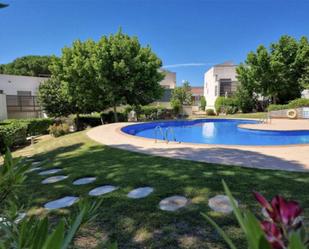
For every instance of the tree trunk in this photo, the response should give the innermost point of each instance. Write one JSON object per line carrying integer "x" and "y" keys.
{"x": 115, "y": 113}
{"x": 77, "y": 122}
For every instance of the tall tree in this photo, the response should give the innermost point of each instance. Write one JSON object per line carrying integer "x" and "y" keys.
{"x": 29, "y": 66}
{"x": 279, "y": 73}
{"x": 181, "y": 96}
{"x": 126, "y": 71}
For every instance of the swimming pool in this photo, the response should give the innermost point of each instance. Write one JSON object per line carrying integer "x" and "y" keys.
{"x": 216, "y": 131}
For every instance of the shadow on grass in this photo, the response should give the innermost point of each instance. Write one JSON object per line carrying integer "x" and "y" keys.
{"x": 140, "y": 223}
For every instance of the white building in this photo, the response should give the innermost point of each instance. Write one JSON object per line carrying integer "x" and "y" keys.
{"x": 169, "y": 81}
{"x": 220, "y": 80}
{"x": 18, "y": 96}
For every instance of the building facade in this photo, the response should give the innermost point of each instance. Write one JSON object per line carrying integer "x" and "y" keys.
{"x": 168, "y": 83}
{"x": 220, "y": 80}
{"x": 18, "y": 96}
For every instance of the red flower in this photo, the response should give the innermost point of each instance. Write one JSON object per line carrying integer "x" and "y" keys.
{"x": 273, "y": 235}
{"x": 280, "y": 210}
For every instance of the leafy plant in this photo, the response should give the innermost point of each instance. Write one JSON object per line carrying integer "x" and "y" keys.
{"x": 210, "y": 112}
{"x": 281, "y": 229}
{"x": 58, "y": 130}
{"x": 203, "y": 103}
{"x": 12, "y": 176}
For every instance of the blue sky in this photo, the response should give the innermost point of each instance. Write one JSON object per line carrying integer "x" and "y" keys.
{"x": 189, "y": 36}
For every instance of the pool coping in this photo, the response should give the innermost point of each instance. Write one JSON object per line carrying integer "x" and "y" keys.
{"x": 275, "y": 157}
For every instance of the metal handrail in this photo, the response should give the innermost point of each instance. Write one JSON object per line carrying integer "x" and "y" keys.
{"x": 171, "y": 130}
{"x": 156, "y": 132}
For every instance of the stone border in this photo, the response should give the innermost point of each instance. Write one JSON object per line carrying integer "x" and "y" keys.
{"x": 288, "y": 158}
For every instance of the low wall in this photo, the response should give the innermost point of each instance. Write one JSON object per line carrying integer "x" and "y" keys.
{"x": 3, "y": 108}
{"x": 302, "y": 113}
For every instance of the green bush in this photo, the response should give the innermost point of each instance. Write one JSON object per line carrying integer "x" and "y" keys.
{"x": 35, "y": 126}
{"x": 296, "y": 103}
{"x": 301, "y": 102}
{"x": 210, "y": 112}
{"x": 58, "y": 130}
{"x": 203, "y": 103}
{"x": 12, "y": 134}
{"x": 277, "y": 107}
{"x": 226, "y": 105}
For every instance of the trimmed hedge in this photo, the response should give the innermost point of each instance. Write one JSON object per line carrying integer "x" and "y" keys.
{"x": 296, "y": 103}
{"x": 210, "y": 112}
{"x": 226, "y": 105}
{"x": 148, "y": 112}
{"x": 12, "y": 134}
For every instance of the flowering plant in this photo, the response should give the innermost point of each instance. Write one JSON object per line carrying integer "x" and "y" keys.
{"x": 280, "y": 228}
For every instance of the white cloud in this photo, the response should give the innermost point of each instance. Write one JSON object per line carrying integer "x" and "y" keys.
{"x": 192, "y": 64}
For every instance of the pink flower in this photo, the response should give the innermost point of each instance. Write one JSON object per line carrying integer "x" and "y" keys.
{"x": 280, "y": 210}
{"x": 273, "y": 235}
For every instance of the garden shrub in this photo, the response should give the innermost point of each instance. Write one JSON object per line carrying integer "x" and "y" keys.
{"x": 301, "y": 102}
{"x": 296, "y": 103}
{"x": 12, "y": 134}
{"x": 210, "y": 112}
{"x": 58, "y": 130}
{"x": 38, "y": 126}
{"x": 226, "y": 105}
{"x": 273, "y": 107}
{"x": 203, "y": 103}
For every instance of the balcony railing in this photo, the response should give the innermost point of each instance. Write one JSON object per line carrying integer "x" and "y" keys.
{"x": 16, "y": 103}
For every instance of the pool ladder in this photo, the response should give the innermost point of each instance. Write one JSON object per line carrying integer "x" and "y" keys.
{"x": 165, "y": 135}
{"x": 266, "y": 119}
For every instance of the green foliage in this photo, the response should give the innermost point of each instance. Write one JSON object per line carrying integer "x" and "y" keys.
{"x": 296, "y": 103}
{"x": 127, "y": 71}
{"x": 58, "y": 130}
{"x": 226, "y": 105}
{"x": 248, "y": 223}
{"x": 35, "y": 126}
{"x": 245, "y": 99}
{"x": 181, "y": 96}
{"x": 12, "y": 134}
{"x": 12, "y": 176}
{"x": 54, "y": 99}
{"x": 278, "y": 73}
{"x": 31, "y": 65}
{"x": 203, "y": 103}
{"x": 210, "y": 112}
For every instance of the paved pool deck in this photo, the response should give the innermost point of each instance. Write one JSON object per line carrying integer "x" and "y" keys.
{"x": 287, "y": 157}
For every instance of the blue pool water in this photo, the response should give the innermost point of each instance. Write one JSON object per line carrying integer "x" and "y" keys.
{"x": 218, "y": 131}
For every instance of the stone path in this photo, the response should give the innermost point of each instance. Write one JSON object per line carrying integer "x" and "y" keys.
{"x": 102, "y": 190}
{"x": 84, "y": 180}
{"x": 54, "y": 179}
{"x": 140, "y": 192}
{"x": 219, "y": 203}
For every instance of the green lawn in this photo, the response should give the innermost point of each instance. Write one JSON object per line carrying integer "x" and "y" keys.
{"x": 257, "y": 115}
{"x": 140, "y": 223}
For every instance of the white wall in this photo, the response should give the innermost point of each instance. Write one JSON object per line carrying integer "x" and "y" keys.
{"x": 170, "y": 79}
{"x": 212, "y": 79}
{"x": 3, "y": 109}
{"x": 10, "y": 84}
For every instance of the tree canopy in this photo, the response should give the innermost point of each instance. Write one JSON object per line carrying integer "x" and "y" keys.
{"x": 278, "y": 73}
{"x": 181, "y": 96}
{"x": 31, "y": 65}
{"x": 93, "y": 76}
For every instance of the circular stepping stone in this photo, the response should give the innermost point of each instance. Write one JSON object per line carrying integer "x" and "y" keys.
{"x": 36, "y": 163}
{"x": 173, "y": 203}
{"x": 54, "y": 179}
{"x": 221, "y": 203}
{"x": 102, "y": 190}
{"x": 84, "y": 180}
{"x": 61, "y": 203}
{"x": 49, "y": 172}
{"x": 34, "y": 169}
{"x": 140, "y": 192}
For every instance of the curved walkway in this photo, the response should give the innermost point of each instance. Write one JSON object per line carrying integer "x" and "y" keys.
{"x": 289, "y": 158}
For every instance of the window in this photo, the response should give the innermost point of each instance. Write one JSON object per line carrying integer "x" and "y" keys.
{"x": 216, "y": 90}
{"x": 24, "y": 93}
{"x": 1, "y": 91}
